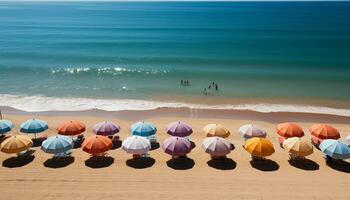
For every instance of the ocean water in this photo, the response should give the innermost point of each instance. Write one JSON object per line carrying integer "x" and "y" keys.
{"x": 63, "y": 54}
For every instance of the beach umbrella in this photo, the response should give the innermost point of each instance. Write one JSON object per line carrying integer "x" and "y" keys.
{"x": 177, "y": 146}
{"x": 106, "y": 128}
{"x": 288, "y": 130}
{"x": 298, "y": 146}
{"x": 348, "y": 139}
{"x": 250, "y": 130}
{"x": 259, "y": 147}
{"x": 143, "y": 128}
{"x": 16, "y": 144}
{"x": 5, "y": 126}
{"x": 216, "y": 130}
{"x": 335, "y": 149}
{"x": 34, "y": 126}
{"x": 96, "y": 144}
{"x": 71, "y": 128}
{"x": 324, "y": 131}
{"x": 136, "y": 145}
{"x": 57, "y": 144}
{"x": 179, "y": 129}
{"x": 216, "y": 146}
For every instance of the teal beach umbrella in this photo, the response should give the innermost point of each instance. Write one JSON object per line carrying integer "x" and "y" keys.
{"x": 34, "y": 126}
{"x": 57, "y": 144}
{"x": 335, "y": 149}
{"x": 143, "y": 129}
{"x": 5, "y": 126}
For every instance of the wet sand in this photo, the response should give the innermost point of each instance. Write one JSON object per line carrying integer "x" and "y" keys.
{"x": 159, "y": 178}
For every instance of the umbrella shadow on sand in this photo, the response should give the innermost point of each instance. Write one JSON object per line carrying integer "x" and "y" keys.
{"x": 58, "y": 162}
{"x": 141, "y": 163}
{"x": 116, "y": 144}
{"x": 14, "y": 162}
{"x": 99, "y": 162}
{"x": 154, "y": 145}
{"x": 265, "y": 165}
{"x": 227, "y": 164}
{"x": 181, "y": 163}
{"x": 193, "y": 145}
{"x": 340, "y": 165}
{"x": 305, "y": 164}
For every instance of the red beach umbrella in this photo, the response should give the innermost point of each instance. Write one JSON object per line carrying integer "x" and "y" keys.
{"x": 324, "y": 131}
{"x": 96, "y": 144}
{"x": 71, "y": 128}
{"x": 288, "y": 130}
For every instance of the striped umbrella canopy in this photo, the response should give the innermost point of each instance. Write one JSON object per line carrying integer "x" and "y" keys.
{"x": 324, "y": 131}
{"x": 136, "y": 145}
{"x": 259, "y": 147}
{"x": 216, "y": 130}
{"x": 16, "y": 144}
{"x": 250, "y": 130}
{"x": 96, "y": 144}
{"x": 298, "y": 146}
{"x": 177, "y": 146}
{"x": 288, "y": 130}
{"x": 5, "y": 126}
{"x": 348, "y": 139}
{"x": 143, "y": 128}
{"x": 34, "y": 126}
{"x": 179, "y": 129}
{"x": 216, "y": 146}
{"x": 57, "y": 144}
{"x": 106, "y": 128}
{"x": 335, "y": 149}
{"x": 71, "y": 128}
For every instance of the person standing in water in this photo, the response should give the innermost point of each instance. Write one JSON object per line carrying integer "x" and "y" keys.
{"x": 216, "y": 87}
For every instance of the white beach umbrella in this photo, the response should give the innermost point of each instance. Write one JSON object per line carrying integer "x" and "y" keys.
{"x": 136, "y": 145}
{"x": 250, "y": 130}
{"x": 216, "y": 146}
{"x": 348, "y": 139}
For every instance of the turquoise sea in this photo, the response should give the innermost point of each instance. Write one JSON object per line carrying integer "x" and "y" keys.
{"x": 60, "y": 51}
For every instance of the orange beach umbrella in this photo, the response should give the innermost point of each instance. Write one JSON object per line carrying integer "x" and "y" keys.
{"x": 16, "y": 144}
{"x": 96, "y": 144}
{"x": 71, "y": 128}
{"x": 324, "y": 131}
{"x": 288, "y": 130}
{"x": 260, "y": 147}
{"x": 212, "y": 130}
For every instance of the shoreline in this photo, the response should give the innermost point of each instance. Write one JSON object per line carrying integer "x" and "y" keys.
{"x": 135, "y": 115}
{"x": 236, "y": 105}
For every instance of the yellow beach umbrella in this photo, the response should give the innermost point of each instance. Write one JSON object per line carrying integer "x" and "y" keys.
{"x": 298, "y": 146}
{"x": 218, "y": 130}
{"x": 16, "y": 144}
{"x": 259, "y": 147}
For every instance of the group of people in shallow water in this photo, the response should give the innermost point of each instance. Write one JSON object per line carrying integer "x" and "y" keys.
{"x": 185, "y": 82}
{"x": 213, "y": 85}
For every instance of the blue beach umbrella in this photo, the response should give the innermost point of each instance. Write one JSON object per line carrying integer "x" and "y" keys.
{"x": 335, "y": 149}
{"x": 143, "y": 129}
{"x": 57, "y": 144}
{"x": 34, "y": 126}
{"x": 5, "y": 126}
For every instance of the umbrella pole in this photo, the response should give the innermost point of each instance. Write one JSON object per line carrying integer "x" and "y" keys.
{"x": 34, "y": 135}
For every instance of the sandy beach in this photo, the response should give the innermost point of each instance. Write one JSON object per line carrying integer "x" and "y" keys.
{"x": 199, "y": 179}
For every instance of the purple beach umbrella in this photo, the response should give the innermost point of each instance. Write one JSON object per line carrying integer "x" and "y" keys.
{"x": 179, "y": 129}
{"x": 106, "y": 128}
{"x": 177, "y": 146}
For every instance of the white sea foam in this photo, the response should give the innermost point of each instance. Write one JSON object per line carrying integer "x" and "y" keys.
{"x": 41, "y": 103}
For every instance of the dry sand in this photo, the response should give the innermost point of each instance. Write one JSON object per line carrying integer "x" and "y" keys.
{"x": 79, "y": 180}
